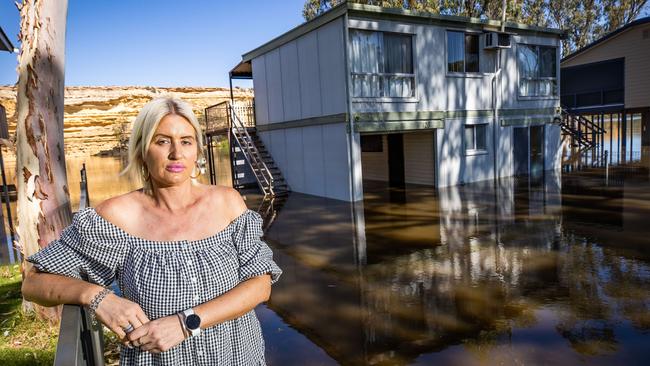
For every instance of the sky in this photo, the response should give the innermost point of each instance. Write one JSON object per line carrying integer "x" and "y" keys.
{"x": 158, "y": 42}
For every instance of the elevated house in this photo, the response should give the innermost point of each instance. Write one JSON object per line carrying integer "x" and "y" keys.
{"x": 369, "y": 95}
{"x": 607, "y": 83}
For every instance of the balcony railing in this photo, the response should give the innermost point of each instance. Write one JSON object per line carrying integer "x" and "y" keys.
{"x": 218, "y": 117}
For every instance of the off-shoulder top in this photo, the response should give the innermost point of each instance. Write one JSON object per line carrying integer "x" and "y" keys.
{"x": 165, "y": 277}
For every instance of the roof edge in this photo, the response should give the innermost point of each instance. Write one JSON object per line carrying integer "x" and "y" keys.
{"x": 452, "y": 18}
{"x": 360, "y": 9}
{"x": 298, "y": 31}
{"x": 5, "y": 43}
{"x": 605, "y": 38}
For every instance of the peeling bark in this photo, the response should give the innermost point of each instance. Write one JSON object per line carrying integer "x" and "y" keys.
{"x": 43, "y": 200}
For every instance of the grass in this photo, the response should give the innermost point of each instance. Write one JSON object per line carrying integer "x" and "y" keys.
{"x": 24, "y": 339}
{"x": 27, "y": 340}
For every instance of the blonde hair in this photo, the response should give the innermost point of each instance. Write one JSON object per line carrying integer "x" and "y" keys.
{"x": 144, "y": 127}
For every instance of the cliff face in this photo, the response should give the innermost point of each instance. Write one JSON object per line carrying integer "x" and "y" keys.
{"x": 95, "y": 117}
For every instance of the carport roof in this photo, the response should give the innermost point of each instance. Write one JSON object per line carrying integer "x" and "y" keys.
{"x": 5, "y": 43}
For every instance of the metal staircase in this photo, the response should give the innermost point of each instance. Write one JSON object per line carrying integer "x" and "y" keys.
{"x": 267, "y": 174}
{"x": 583, "y": 132}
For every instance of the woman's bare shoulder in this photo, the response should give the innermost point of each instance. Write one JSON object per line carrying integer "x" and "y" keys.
{"x": 226, "y": 198}
{"x": 120, "y": 209}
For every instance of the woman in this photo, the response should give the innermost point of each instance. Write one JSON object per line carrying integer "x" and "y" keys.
{"x": 188, "y": 257}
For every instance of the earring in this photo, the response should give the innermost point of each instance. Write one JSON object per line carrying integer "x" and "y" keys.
{"x": 145, "y": 173}
{"x": 196, "y": 166}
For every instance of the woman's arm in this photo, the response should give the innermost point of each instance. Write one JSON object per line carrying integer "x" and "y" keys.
{"x": 236, "y": 302}
{"x": 162, "y": 334}
{"x": 50, "y": 289}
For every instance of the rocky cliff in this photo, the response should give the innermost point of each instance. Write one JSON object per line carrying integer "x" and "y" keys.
{"x": 95, "y": 117}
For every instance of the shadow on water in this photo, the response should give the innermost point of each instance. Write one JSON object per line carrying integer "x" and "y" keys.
{"x": 544, "y": 270}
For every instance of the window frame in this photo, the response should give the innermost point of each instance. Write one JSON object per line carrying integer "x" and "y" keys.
{"x": 388, "y": 99}
{"x": 474, "y": 150}
{"x": 470, "y": 74}
{"x": 556, "y": 88}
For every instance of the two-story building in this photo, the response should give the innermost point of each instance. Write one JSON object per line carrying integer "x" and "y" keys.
{"x": 364, "y": 93}
{"x": 608, "y": 83}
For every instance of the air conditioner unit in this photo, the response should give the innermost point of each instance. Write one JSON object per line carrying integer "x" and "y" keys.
{"x": 495, "y": 40}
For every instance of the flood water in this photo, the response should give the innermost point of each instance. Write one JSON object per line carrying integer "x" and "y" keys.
{"x": 549, "y": 271}
{"x": 555, "y": 271}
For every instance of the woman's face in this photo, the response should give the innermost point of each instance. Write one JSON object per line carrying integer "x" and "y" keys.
{"x": 172, "y": 154}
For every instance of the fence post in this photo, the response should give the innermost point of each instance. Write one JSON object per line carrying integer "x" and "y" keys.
{"x": 606, "y": 168}
{"x": 80, "y": 343}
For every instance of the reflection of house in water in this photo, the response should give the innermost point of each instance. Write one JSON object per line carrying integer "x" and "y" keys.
{"x": 469, "y": 266}
{"x": 363, "y": 93}
{"x": 608, "y": 82}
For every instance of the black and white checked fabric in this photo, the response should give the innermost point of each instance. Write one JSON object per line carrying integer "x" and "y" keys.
{"x": 167, "y": 277}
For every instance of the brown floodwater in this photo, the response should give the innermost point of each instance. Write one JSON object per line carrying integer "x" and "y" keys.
{"x": 552, "y": 271}
{"x": 544, "y": 271}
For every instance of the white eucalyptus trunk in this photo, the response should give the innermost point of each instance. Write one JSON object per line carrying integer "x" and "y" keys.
{"x": 43, "y": 199}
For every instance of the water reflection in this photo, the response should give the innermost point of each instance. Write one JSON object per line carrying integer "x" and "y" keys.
{"x": 530, "y": 271}
{"x": 546, "y": 270}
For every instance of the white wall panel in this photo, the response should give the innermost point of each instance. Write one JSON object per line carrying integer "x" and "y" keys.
{"x": 261, "y": 94}
{"x": 308, "y": 64}
{"x": 290, "y": 81}
{"x": 337, "y": 171}
{"x": 295, "y": 173}
{"x": 278, "y": 149}
{"x": 314, "y": 160}
{"x": 274, "y": 86}
{"x": 332, "y": 67}
{"x": 552, "y": 148}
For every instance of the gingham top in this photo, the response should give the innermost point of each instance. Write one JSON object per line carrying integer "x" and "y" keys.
{"x": 167, "y": 277}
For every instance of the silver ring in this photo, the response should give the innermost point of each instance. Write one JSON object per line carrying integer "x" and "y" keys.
{"x": 128, "y": 329}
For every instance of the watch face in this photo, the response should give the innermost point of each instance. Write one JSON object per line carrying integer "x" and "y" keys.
{"x": 192, "y": 321}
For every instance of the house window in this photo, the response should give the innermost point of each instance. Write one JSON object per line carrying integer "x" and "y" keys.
{"x": 537, "y": 70}
{"x": 462, "y": 52}
{"x": 476, "y": 137}
{"x": 382, "y": 65}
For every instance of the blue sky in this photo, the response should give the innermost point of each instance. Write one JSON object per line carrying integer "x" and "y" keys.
{"x": 158, "y": 42}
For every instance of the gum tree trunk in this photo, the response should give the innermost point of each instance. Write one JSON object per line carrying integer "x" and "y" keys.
{"x": 43, "y": 199}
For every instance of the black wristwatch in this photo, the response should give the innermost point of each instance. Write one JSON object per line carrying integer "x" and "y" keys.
{"x": 192, "y": 322}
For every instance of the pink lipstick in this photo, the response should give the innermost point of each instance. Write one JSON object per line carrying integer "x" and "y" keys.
{"x": 175, "y": 168}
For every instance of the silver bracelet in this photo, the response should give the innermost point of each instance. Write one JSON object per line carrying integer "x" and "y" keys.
{"x": 94, "y": 303}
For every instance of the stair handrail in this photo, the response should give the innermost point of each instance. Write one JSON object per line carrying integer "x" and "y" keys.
{"x": 246, "y": 156}
{"x": 237, "y": 124}
{"x": 588, "y": 123}
{"x": 576, "y": 134}
{"x": 585, "y": 138}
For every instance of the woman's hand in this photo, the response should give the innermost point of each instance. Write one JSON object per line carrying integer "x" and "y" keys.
{"x": 117, "y": 313}
{"x": 158, "y": 335}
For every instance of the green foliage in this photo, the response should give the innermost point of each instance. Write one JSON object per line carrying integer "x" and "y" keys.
{"x": 27, "y": 340}
{"x": 24, "y": 339}
{"x": 584, "y": 21}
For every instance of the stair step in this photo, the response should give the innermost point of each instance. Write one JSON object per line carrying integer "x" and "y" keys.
{"x": 271, "y": 167}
